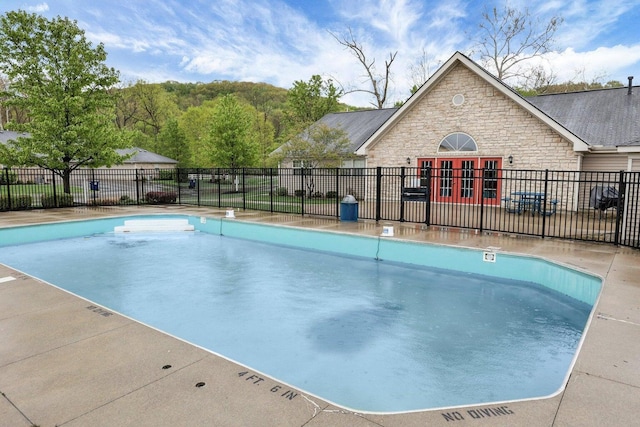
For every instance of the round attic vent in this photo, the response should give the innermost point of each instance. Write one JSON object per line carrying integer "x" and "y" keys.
{"x": 458, "y": 99}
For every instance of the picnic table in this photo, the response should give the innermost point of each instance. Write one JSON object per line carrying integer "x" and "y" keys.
{"x": 529, "y": 201}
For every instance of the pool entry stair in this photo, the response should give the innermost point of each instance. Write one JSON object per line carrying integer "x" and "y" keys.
{"x": 149, "y": 225}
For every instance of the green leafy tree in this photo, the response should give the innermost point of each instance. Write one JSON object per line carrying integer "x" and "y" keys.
{"x": 231, "y": 142}
{"x": 145, "y": 108}
{"x": 172, "y": 142}
{"x": 309, "y": 101}
{"x": 318, "y": 146}
{"x": 196, "y": 123}
{"x": 60, "y": 79}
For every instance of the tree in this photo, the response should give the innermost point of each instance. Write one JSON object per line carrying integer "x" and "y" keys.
{"x": 196, "y": 123}
{"x": 510, "y": 37}
{"x": 145, "y": 107}
{"x": 379, "y": 81}
{"x": 421, "y": 70}
{"x": 60, "y": 79}
{"x": 230, "y": 140}
{"x": 172, "y": 142}
{"x": 309, "y": 101}
{"x": 318, "y": 146}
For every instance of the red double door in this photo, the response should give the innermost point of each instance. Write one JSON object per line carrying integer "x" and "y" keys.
{"x": 462, "y": 180}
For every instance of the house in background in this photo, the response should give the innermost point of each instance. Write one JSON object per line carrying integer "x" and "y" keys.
{"x": 358, "y": 127}
{"x": 464, "y": 118}
{"x": 139, "y": 159}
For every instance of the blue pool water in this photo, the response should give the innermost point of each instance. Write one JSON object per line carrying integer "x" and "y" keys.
{"x": 377, "y": 336}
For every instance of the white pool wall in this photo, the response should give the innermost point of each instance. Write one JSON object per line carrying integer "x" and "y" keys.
{"x": 576, "y": 284}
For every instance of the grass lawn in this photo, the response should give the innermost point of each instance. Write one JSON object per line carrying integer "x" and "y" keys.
{"x": 35, "y": 189}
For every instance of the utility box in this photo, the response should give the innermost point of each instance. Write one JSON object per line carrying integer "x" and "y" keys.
{"x": 349, "y": 209}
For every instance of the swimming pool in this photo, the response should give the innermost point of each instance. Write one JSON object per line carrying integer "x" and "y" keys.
{"x": 369, "y": 305}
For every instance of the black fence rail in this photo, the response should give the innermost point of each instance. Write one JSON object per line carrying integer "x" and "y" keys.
{"x": 589, "y": 206}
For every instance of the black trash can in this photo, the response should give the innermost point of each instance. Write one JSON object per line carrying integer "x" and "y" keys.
{"x": 94, "y": 185}
{"x": 349, "y": 209}
{"x": 192, "y": 183}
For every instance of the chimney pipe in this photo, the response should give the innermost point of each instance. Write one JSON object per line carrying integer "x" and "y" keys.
{"x": 630, "y": 90}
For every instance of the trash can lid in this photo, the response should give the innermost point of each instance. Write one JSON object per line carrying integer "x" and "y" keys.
{"x": 349, "y": 199}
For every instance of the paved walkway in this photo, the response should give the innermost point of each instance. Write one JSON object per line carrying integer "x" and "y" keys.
{"x": 67, "y": 362}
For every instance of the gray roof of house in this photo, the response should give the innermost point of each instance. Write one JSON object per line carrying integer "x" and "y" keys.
{"x": 140, "y": 155}
{"x": 606, "y": 117}
{"x": 143, "y": 156}
{"x": 6, "y": 135}
{"x": 359, "y": 125}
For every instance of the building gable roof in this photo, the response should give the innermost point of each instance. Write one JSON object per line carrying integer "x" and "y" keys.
{"x": 456, "y": 59}
{"x": 143, "y": 156}
{"x": 605, "y": 117}
{"x": 358, "y": 125}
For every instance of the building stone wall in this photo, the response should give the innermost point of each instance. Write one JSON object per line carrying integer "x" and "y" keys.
{"x": 499, "y": 126}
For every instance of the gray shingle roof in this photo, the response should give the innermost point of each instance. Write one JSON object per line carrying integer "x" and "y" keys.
{"x": 359, "y": 125}
{"x": 606, "y": 117}
{"x": 144, "y": 156}
{"x": 7, "y": 135}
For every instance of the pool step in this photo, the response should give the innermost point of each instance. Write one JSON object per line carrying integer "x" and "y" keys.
{"x": 147, "y": 225}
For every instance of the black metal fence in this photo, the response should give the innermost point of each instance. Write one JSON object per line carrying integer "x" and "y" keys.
{"x": 589, "y": 206}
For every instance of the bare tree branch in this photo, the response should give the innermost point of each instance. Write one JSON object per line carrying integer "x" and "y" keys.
{"x": 379, "y": 82}
{"x": 509, "y": 37}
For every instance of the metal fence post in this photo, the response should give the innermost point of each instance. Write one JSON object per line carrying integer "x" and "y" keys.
{"x": 428, "y": 201}
{"x": 620, "y": 206}
{"x": 177, "y": 172}
{"x": 483, "y": 171}
{"x": 378, "y": 193}
{"x": 244, "y": 192}
{"x": 55, "y": 192}
{"x": 544, "y": 203}
{"x": 271, "y": 190}
{"x": 302, "y": 169}
{"x": 219, "y": 188}
{"x": 6, "y": 180}
{"x": 337, "y": 192}
{"x": 402, "y": 177}
{"x": 137, "y": 188}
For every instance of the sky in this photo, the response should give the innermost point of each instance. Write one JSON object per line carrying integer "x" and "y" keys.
{"x": 283, "y": 41}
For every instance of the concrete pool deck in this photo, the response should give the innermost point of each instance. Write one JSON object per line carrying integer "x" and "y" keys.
{"x": 67, "y": 362}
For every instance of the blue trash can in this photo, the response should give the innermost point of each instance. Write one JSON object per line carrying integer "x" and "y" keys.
{"x": 349, "y": 209}
{"x": 94, "y": 185}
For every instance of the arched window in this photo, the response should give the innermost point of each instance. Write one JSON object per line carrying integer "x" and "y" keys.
{"x": 457, "y": 142}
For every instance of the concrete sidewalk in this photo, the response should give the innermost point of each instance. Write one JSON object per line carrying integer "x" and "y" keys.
{"x": 65, "y": 361}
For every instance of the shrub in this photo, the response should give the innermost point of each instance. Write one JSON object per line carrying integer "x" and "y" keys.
{"x": 299, "y": 193}
{"x": 317, "y": 195}
{"x": 282, "y": 191}
{"x": 126, "y": 200}
{"x": 64, "y": 200}
{"x": 332, "y": 195}
{"x": 17, "y": 203}
{"x": 160, "y": 197}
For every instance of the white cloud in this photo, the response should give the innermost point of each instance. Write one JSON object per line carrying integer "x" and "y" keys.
{"x": 39, "y": 8}
{"x": 608, "y": 63}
